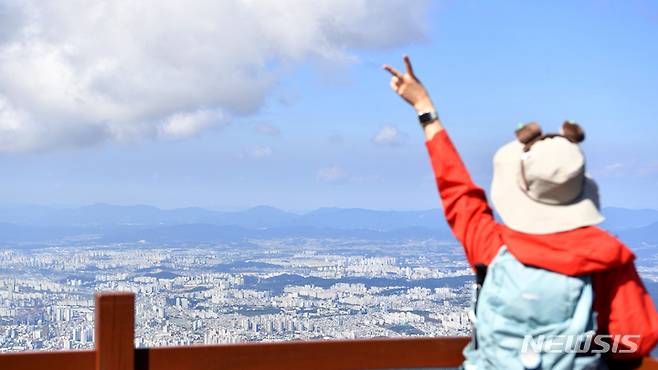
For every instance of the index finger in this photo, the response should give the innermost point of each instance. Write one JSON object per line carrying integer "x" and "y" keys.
{"x": 407, "y": 62}
{"x": 393, "y": 71}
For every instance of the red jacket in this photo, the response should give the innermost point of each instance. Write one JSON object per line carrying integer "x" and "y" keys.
{"x": 621, "y": 300}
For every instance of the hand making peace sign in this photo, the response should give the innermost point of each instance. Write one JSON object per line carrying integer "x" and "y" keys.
{"x": 409, "y": 87}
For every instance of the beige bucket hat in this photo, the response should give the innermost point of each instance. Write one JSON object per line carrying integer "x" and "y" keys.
{"x": 539, "y": 182}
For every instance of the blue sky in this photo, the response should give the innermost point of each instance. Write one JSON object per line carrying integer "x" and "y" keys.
{"x": 329, "y": 132}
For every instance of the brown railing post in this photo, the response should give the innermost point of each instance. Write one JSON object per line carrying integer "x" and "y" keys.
{"x": 115, "y": 331}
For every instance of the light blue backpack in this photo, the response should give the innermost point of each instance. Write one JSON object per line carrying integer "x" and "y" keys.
{"x": 518, "y": 300}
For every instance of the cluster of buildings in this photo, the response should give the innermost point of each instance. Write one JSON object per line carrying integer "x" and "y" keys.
{"x": 273, "y": 290}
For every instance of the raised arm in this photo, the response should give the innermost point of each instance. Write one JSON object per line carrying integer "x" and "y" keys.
{"x": 410, "y": 89}
{"x": 464, "y": 203}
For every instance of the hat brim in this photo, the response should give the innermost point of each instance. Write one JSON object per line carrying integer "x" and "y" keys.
{"x": 522, "y": 213}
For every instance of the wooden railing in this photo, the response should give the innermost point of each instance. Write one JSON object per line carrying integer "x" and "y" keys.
{"x": 114, "y": 350}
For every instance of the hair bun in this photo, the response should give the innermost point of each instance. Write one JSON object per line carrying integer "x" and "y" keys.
{"x": 573, "y": 132}
{"x": 528, "y": 133}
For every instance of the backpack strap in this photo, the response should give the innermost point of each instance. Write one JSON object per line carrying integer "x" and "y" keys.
{"x": 480, "y": 275}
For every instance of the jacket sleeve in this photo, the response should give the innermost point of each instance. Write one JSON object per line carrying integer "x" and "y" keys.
{"x": 625, "y": 312}
{"x": 464, "y": 203}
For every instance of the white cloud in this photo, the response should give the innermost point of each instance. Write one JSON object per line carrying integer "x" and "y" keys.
{"x": 181, "y": 125}
{"x": 627, "y": 169}
{"x": 77, "y": 72}
{"x": 331, "y": 174}
{"x": 614, "y": 168}
{"x": 388, "y": 135}
{"x": 258, "y": 152}
{"x": 267, "y": 129}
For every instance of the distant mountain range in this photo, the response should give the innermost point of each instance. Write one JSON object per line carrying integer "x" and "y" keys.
{"x": 113, "y": 223}
{"x": 257, "y": 217}
{"x": 622, "y": 218}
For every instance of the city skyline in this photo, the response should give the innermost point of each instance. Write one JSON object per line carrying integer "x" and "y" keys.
{"x": 262, "y": 290}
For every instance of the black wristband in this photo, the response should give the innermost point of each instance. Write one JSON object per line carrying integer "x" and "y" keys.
{"x": 427, "y": 117}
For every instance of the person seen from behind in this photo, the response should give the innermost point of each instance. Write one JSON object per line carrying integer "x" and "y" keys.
{"x": 559, "y": 292}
